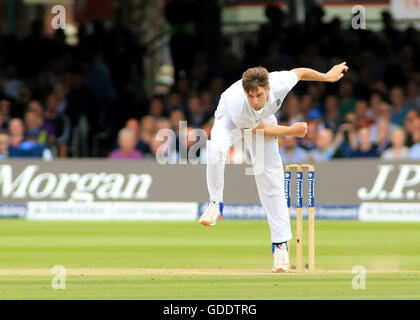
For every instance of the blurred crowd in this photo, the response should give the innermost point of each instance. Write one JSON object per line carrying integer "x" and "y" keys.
{"x": 88, "y": 100}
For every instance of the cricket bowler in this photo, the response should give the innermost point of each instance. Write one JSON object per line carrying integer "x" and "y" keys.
{"x": 250, "y": 103}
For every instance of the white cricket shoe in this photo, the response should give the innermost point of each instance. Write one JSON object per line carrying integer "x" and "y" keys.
{"x": 212, "y": 214}
{"x": 281, "y": 258}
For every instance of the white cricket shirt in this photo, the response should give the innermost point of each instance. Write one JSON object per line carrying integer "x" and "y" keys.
{"x": 234, "y": 102}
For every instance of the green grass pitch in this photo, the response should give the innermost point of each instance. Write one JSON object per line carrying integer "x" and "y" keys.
{"x": 184, "y": 260}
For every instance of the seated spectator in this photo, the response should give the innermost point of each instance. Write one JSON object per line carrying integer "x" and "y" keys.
{"x": 163, "y": 151}
{"x": 415, "y": 152}
{"x": 156, "y": 108}
{"x": 4, "y": 145}
{"x": 162, "y": 123}
{"x": 346, "y": 99}
{"x": 413, "y": 93}
{"x": 325, "y": 148}
{"x": 176, "y": 117}
{"x": 375, "y": 101}
{"x": 174, "y": 103}
{"x": 60, "y": 92}
{"x": 399, "y": 107}
{"x": 195, "y": 115}
{"x": 345, "y": 139}
{"x": 383, "y": 140}
{"x": 3, "y": 123}
{"x": 361, "y": 112}
{"x": 61, "y": 125}
{"x": 22, "y": 101}
{"x": 127, "y": 144}
{"x": 332, "y": 118}
{"x": 46, "y": 130}
{"x": 291, "y": 110}
{"x": 384, "y": 114}
{"x": 306, "y": 104}
{"x": 365, "y": 148}
{"x": 142, "y": 146}
{"x": 16, "y": 131}
{"x": 12, "y": 83}
{"x": 309, "y": 142}
{"x": 190, "y": 145}
{"x": 412, "y": 127}
{"x": 290, "y": 151}
{"x": 5, "y": 106}
{"x": 147, "y": 129}
{"x": 398, "y": 149}
{"x": 30, "y": 148}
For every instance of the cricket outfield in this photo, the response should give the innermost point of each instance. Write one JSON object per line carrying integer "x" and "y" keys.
{"x": 184, "y": 260}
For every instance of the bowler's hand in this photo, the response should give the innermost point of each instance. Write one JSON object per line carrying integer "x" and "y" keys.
{"x": 299, "y": 129}
{"x": 337, "y": 72}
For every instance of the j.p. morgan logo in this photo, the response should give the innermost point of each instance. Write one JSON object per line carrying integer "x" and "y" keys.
{"x": 30, "y": 184}
{"x": 406, "y": 185}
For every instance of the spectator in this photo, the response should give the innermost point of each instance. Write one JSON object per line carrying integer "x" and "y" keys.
{"x": 291, "y": 110}
{"x": 176, "y": 117}
{"x": 17, "y": 132}
{"x": 33, "y": 123}
{"x": 384, "y": 114}
{"x": 30, "y": 148}
{"x": 398, "y": 151}
{"x": 399, "y": 107}
{"x": 61, "y": 125}
{"x": 3, "y": 123}
{"x": 12, "y": 84}
{"x": 365, "y": 149}
{"x": 361, "y": 112}
{"x": 156, "y": 107}
{"x": 325, "y": 148}
{"x": 412, "y": 127}
{"x": 60, "y": 92}
{"x": 141, "y": 146}
{"x": 306, "y": 104}
{"x": 309, "y": 142}
{"x": 161, "y": 148}
{"x": 332, "y": 118}
{"x": 4, "y": 145}
{"x": 5, "y": 106}
{"x": 375, "y": 101}
{"x": 194, "y": 114}
{"x": 127, "y": 144}
{"x": 413, "y": 94}
{"x": 383, "y": 136}
{"x": 22, "y": 101}
{"x": 347, "y": 101}
{"x": 38, "y": 108}
{"x": 415, "y": 152}
{"x": 189, "y": 145}
{"x": 162, "y": 123}
{"x": 290, "y": 151}
{"x": 147, "y": 129}
{"x": 174, "y": 103}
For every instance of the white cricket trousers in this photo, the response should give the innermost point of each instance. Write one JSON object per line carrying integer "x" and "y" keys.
{"x": 269, "y": 178}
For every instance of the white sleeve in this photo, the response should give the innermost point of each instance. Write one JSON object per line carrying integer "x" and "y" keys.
{"x": 281, "y": 82}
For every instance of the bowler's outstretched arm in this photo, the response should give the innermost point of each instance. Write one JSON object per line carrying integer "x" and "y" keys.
{"x": 335, "y": 73}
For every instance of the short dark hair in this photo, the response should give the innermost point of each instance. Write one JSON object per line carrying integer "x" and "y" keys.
{"x": 254, "y": 78}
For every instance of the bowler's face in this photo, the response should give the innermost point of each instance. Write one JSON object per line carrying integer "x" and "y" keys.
{"x": 258, "y": 97}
